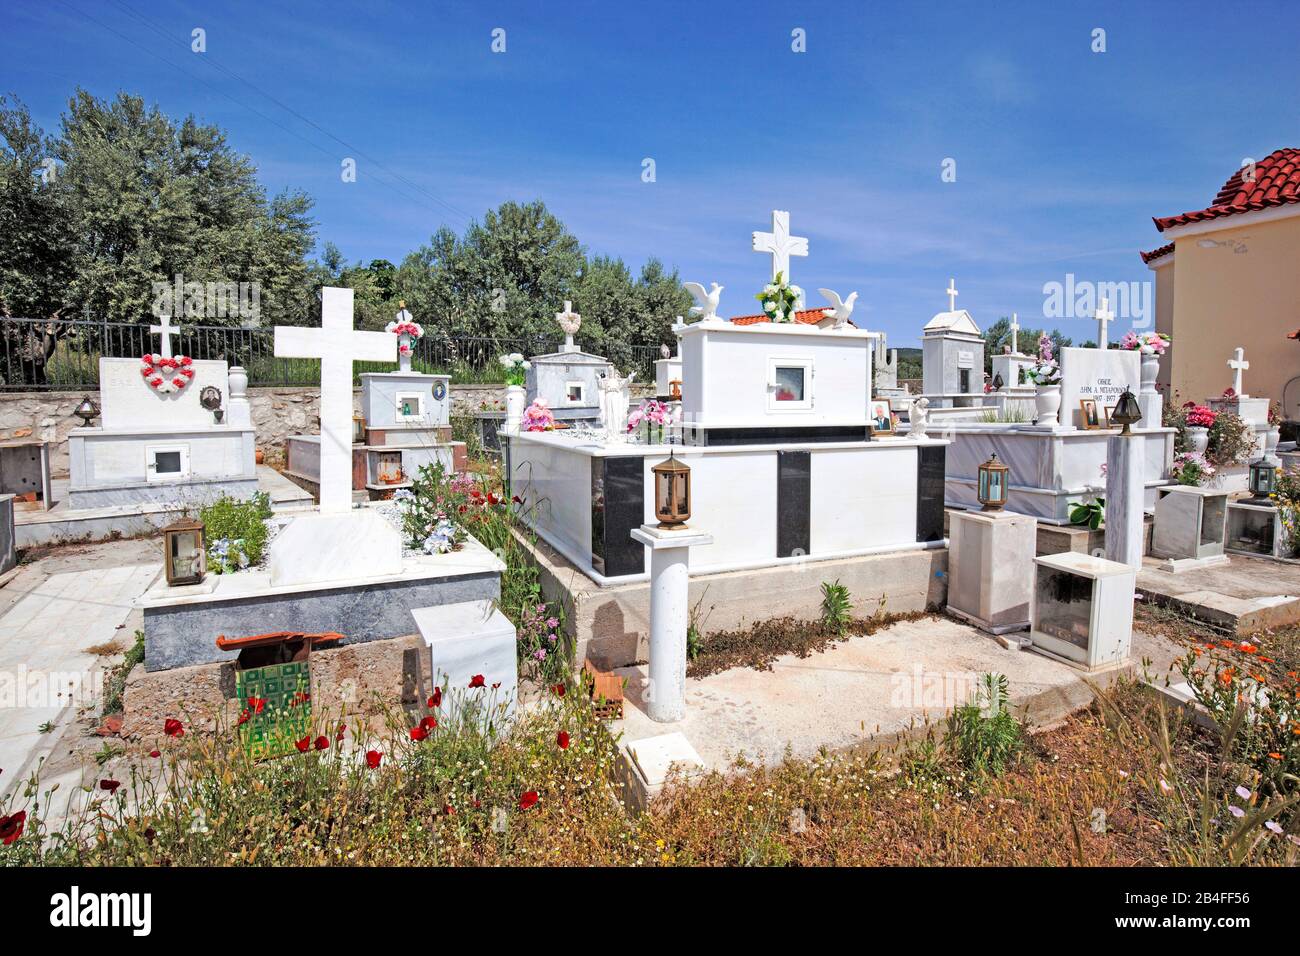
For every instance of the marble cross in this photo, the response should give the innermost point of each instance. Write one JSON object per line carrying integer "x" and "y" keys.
{"x": 951, "y": 292}
{"x": 1238, "y": 364}
{"x": 1015, "y": 327}
{"x": 780, "y": 244}
{"x": 337, "y": 346}
{"x": 1103, "y": 316}
{"x": 166, "y": 330}
{"x": 570, "y": 322}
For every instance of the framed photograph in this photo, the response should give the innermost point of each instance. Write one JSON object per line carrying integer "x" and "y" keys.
{"x": 1088, "y": 412}
{"x": 882, "y": 417}
{"x": 1109, "y": 410}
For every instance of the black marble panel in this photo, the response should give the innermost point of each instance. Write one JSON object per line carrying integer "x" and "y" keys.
{"x": 617, "y": 506}
{"x": 930, "y": 463}
{"x": 793, "y": 502}
{"x": 778, "y": 436}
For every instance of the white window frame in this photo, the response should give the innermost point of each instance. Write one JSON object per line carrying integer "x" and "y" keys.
{"x": 806, "y": 364}
{"x": 150, "y": 462}
{"x": 582, "y": 393}
{"x": 418, "y": 397}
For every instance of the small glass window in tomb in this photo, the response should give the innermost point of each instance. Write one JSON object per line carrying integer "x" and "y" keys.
{"x": 790, "y": 383}
{"x": 1250, "y": 529}
{"x": 1212, "y": 520}
{"x": 166, "y": 462}
{"x": 574, "y": 393}
{"x": 410, "y": 406}
{"x": 1064, "y": 605}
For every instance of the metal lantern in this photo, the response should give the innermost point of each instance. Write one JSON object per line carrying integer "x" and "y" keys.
{"x": 672, "y": 492}
{"x": 992, "y": 484}
{"x": 1263, "y": 479}
{"x": 1126, "y": 411}
{"x": 185, "y": 553}
{"x": 87, "y": 411}
{"x": 997, "y": 382}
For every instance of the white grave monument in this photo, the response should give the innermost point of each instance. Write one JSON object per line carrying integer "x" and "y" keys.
{"x": 1254, "y": 411}
{"x": 1009, "y": 365}
{"x": 952, "y": 357}
{"x": 1083, "y": 610}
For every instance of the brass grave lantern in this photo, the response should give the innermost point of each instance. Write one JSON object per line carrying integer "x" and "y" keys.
{"x": 185, "y": 553}
{"x": 672, "y": 492}
{"x": 1126, "y": 412}
{"x": 991, "y": 484}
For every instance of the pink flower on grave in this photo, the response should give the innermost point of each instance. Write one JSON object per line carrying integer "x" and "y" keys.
{"x": 186, "y": 360}
{"x": 1201, "y": 416}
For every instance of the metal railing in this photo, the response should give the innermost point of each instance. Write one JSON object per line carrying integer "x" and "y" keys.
{"x": 63, "y": 355}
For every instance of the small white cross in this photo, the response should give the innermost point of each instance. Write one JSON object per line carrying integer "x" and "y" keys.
{"x": 166, "y": 330}
{"x": 570, "y": 322}
{"x": 1015, "y": 327}
{"x": 1238, "y": 364}
{"x": 781, "y": 245}
{"x": 336, "y": 344}
{"x": 1103, "y": 316}
{"x": 951, "y": 292}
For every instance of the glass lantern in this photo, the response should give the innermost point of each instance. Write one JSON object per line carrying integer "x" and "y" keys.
{"x": 672, "y": 492}
{"x": 185, "y": 553}
{"x": 991, "y": 486}
{"x": 1127, "y": 412}
{"x": 1263, "y": 479}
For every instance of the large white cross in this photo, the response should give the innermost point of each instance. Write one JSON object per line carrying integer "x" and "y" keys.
{"x": 1238, "y": 364}
{"x": 1015, "y": 327}
{"x": 780, "y": 244}
{"x": 166, "y": 330}
{"x": 337, "y": 345}
{"x": 1104, "y": 315}
{"x": 951, "y": 292}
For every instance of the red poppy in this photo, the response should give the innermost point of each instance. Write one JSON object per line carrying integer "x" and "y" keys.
{"x": 516, "y": 499}
{"x": 255, "y": 704}
{"x": 436, "y": 699}
{"x": 155, "y": 754}
{"x": 322, "y": 742}
{"x": 303, "y": 744}
{"x": 528, "y": 800}
{"x": 557, "y": 690}
{"x": 418, "y": 734}
{"x": 496, "y": 686}
{"x": 428, "y": 723}
{"x": 338, "y": 738}
{"x": 448, "y": 810}
{"x": 109, "y": 785}
{"x": 476, "y": 681}
{"x": 562, "y": 738}
{"x": 243, "y": 717}
{"x": 11, "y": 827}
{"x": 173, "y": 728}
{"x": 372, "y": 758}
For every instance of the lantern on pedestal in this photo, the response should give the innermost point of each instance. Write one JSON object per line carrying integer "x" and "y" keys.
{"x": 1263, "y": 479}
{"x": 87, "y": 410}
{"x": 672, "y": 492}
{"x": 1126, "y": 411}
{"x": 991, "y": 485}
{"x": 185, "y": 553}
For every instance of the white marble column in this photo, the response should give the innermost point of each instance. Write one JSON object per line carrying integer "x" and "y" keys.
{"x": 1125, "y": 486}
{"x": 665, "y": 692}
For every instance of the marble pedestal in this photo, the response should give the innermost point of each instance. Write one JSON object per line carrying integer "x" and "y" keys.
{"x": 1083, "y": 610}
{"x": 991, "y": 569}
{"x": 469, "y": 639}
{"x": 1189, "y": 527}
{"x": 1125, "y": 492}
{"x": 342, "y": 546}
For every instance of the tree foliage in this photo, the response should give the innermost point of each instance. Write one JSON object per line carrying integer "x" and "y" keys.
{"x": 998, "y": 336}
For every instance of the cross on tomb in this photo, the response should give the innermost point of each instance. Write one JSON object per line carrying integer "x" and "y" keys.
{"x": 1015, "y": 327}
{"x": 337, "y": 345}
{"x": 1238, "y": 364}
{"x": 781, "y": 245}
{"x": 1103, "y": 316}
{"x": 166, "y": 330}
{"x": 570, "y": 322}
{"x": 951, "y": 292}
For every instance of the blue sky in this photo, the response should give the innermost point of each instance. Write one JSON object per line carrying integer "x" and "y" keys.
{"x": 1062, "y": 154}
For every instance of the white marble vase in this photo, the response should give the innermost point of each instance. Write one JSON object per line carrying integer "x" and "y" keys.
{"x": 1198, "y": 439}
{"x": 1150, "y": 369}
{"x": 1048, "y": 402}
{"x": 1271, "y": 438}
{"x": 514, "y": 408}
{"x": 405, "y": 349}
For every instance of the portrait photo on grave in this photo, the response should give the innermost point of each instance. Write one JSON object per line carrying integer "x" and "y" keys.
{"x": 679, "y": 436}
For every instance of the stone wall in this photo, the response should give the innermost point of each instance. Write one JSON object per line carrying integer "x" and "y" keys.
{"x": 277, "y": 413}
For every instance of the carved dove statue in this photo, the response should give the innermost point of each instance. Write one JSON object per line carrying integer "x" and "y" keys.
{"x": 841, "y": 311}
{"x": 708, "y": 301}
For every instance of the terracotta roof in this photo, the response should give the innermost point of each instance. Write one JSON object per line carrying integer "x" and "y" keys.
{"x": 1157, "y": 253}
{"x": 803, "y": 317}
{"x": 1276, "y": 183}
{"x": 1294, "y": 335}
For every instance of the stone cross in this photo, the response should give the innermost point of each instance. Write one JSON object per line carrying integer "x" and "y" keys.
{"x": 166, "y": 330}
{"x": 337, "y": 345}
{"x": 1015, "y": 327}
{"x": 570, "y": 322}
{"x": 780, "y": 244}
{"x": 1104, "y": 315}
{"x": 1238, "y": 364}
{"x": 951, "y": 292}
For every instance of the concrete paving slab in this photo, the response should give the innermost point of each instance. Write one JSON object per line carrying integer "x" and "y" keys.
{"x": 1245, "y": 595}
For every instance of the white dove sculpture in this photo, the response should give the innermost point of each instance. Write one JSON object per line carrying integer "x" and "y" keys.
{"x": 708, "y": 301}
{"x": 841, "y": 311}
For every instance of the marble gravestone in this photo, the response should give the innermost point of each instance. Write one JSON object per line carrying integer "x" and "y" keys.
{"x": 952, "y": 357}
{"x": 991, "y": 568}
{"x": 1098, "y": 374}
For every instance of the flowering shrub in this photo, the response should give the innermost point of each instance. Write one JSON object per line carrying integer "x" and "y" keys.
{"x": 779, "y": 299}
{"x": 426, "y": 509}
{"x": 1148, "y": 343}
{"x": 516, "y": 367}
{"x": 1191, "y": 468}
{"x": 1232, "y": 440}
{"x": 1200, "y": 416}
{"x": 538, "y": 417}
{"x": 236, "y": 531}
{"x": 1047, "y": 370}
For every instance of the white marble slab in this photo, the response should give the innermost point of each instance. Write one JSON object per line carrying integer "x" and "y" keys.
{"x": 333, "y": 546}
{"x": 127, "y": 400}
{"x": 1100, "y": 374}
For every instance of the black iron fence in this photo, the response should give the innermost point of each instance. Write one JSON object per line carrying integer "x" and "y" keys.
{"x": 36, "y": 354}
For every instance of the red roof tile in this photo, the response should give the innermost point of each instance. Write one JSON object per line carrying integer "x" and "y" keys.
{"x": 1157, "y": 253}
{"x": 1276, "y": 183}
{"x": 803, "y": 317}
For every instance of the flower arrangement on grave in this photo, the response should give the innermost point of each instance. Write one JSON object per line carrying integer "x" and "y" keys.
{"x": 1200, "y": 416}
{"x": 1047, "y": 370}
{"x": 1148, "y": 343}
{"x": 538, "y": 417}
{"x": 1191, "y": 468}
{"x": 516, "y": 367}
{"x": 167, "y": 374}
{"x": 779, "y": 299}
{"x": 410, "y": 329}
{"x": 649, "y": 420}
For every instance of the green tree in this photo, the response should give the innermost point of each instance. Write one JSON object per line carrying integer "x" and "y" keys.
{"x": 997, "y": 337}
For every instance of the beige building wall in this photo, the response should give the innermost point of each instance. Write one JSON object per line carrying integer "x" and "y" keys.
{"x": 1163, "y": 278}
{"x": 1222, "y": 299}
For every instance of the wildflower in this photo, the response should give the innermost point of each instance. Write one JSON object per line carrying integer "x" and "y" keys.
{"x": 1275, "y": 756}
{"x": 338, "y": 737}
{"x": 155, "y": 754}
{"x": 1236, "y": 811}
{"x": 418, "y": 733}
{"x": 303, "y": 744}
{"x": 173, "y": 728}
{"x": 557, "y": 690}
{"x": 372, "y": 758}
{"x": 1243, "y": 793}
{"x": 562, "y": 738}
{"x": 256, "y": 704}
{"x": 322, "y": 742}
{"x": 110, "y": 785}
{"x": 243, "y": 717}
{"x": 1164, "y": 786}
{"x": 477, "y": 681}
{"x": 11, "y": 827}
{"x": 528, "y": 800}
{"x": 1273, "y": 825}
{"x": 428, "y": 723}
